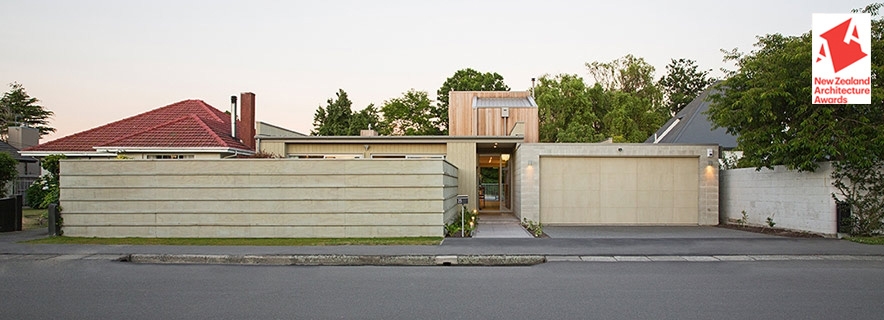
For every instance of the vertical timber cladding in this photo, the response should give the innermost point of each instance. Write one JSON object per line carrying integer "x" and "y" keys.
{"x": 619, "y": 190}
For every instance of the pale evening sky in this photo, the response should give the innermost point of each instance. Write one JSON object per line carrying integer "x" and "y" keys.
{"x": 94, "y": 62}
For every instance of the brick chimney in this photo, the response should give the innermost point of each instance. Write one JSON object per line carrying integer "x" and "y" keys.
{"x": 246, "y": 127}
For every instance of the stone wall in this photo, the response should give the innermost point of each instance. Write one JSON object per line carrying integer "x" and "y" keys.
{"x": 257, "y": 198}
{"x": 794, "y": 200}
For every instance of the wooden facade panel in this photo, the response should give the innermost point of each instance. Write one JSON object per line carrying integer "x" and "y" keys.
{"x": 464, "y": 120}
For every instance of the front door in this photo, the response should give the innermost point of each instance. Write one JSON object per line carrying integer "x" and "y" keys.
{"x": 493, "y": 183}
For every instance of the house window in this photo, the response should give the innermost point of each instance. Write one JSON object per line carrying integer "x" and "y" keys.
{"x": 343, "y": 156}
{"x": 425, "y": 156}
{"x": 325, "y": 156}
{"x": 170, "y": 156}
{"x": 408, "y": 156}
{"x": 388, "y": 156}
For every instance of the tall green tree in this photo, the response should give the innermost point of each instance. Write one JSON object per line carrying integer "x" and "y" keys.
{"x": 368, "y": 118}
{"x": 629, "y": 74}
{"x": 629, "y": 118}
{"x": 568, "y": 110}
{"x": 464, "y": 80}
{"x": 636, "y": 109}
{"x": 412, "y": 115}
{"x": 338, "y": 119}
{"x": 767, "y": 104}
{"x": 17, "y": 107}
{"x": 334, "y": 119}
{"x": 682, "y": 83}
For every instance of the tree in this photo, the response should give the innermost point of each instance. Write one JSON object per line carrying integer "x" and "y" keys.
{"x": 8, "y": 172}
{"x": 636, "y": 109}
{"x": 334, "y": 119}
{"x": 568, "y": 110}
{"x": 464, "y": 80}
{"x": 411, "y": 115}
{"x": 338, "y": 119}
{"x": 682, "y": 83}
{"x": 767, "y": 102}
{"x": 368, "y": 118}
{"x": 630, "y": 118}
{"x": 628, "y": 74}
{"x": 17, "y": 107}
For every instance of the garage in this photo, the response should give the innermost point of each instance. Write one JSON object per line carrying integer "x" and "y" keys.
{"x": 582, "y": 190}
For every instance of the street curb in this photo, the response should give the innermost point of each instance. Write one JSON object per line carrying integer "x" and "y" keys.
{"x": 339, "y": 260}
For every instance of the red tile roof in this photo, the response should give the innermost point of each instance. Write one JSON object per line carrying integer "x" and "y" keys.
{"x": 186, "y": 124}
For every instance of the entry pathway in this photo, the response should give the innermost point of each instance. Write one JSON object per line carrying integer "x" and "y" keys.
{"x": 500, "y": 226}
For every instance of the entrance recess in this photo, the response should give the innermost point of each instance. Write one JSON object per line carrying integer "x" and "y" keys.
{"x": 494, "y": 186}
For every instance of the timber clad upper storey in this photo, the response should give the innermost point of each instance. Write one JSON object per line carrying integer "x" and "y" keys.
{"x": 493, "y": 113}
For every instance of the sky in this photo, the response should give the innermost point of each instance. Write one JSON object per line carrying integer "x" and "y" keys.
{"x": 95, "y": 62}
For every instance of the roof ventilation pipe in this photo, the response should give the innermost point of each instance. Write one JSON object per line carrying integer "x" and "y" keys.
{"x": 233, "y": 116}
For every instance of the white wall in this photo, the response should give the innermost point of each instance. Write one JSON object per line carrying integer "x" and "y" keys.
{"x": 257, "y": 198}
{"x": 795, "y": 200}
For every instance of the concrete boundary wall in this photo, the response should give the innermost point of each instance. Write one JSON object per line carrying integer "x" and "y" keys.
{"x": 257, "y": 198}
{"x": 794, "y": 200}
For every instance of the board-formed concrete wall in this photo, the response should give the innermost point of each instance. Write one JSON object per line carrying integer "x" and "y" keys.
{"x": 794, "y": 200}
{"x": 257, "y": 198}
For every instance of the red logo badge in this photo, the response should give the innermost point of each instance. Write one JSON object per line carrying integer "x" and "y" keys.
{"x": 843, "y": 50}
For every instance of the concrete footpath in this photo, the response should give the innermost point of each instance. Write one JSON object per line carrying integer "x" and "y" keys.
{"x": 571, "y": 244}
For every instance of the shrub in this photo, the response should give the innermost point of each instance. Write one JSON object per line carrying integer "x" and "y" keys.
{"x": 35, "y": 194}
{"x": 8, "y": 171}
{"x": 862, "y": 187}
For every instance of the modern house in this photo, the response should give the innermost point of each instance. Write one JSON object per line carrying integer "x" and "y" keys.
{"x": 387, "y": 186}
{"x": 189, "y": 129}
{"x": 495, "y": 135}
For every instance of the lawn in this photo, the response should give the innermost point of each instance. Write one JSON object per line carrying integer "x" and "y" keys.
{"x": 33, "y": 219}
{"x": 418, "y": 241}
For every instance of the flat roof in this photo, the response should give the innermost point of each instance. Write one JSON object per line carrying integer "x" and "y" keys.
{"x": 398, "y": 139}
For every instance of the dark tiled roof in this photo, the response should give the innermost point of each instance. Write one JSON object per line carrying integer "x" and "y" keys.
{"x": 185, "y": 124}
{"x": 694, "y": 126}
{"x": 12, "y": 151}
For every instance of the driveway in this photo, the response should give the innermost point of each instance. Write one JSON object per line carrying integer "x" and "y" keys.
{"x": 664, "y": 232}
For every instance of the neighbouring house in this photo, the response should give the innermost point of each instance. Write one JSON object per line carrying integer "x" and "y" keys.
{"x": 189, "y": 129}
{"x": 19, "y": 137}
{"x": 691, "y": 125}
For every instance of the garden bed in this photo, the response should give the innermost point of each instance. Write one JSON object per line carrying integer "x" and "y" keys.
{"x": 771, "y": 231}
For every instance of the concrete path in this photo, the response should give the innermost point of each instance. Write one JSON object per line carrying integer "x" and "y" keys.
{"x": 500, "y": 226}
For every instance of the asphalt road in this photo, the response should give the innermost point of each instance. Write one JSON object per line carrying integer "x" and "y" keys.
{"x": 81, "y": 289}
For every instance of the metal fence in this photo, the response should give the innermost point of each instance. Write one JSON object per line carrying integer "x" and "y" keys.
{"x": 21, "y": 184}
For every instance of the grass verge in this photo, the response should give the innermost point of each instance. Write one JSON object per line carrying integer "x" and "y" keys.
{"x": 867, "y": 240}
{"x": 416, "y": 241}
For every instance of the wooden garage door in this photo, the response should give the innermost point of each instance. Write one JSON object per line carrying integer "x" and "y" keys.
{"x": 619, "y": 191}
